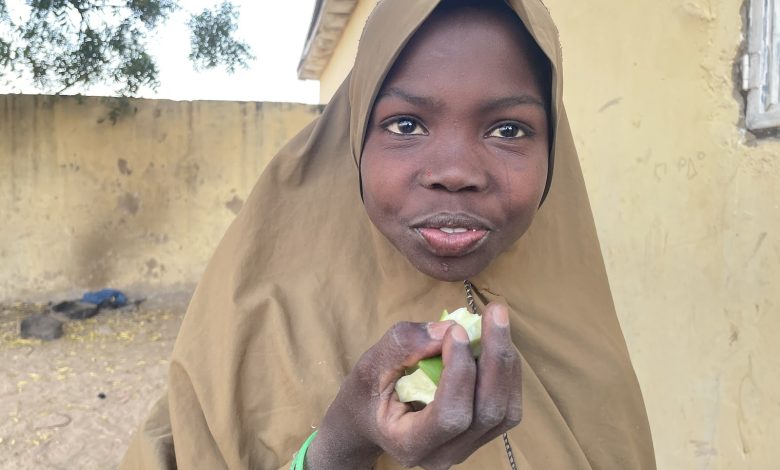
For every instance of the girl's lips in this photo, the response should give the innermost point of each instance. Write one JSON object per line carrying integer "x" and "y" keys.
{"x": 458, "y": 243}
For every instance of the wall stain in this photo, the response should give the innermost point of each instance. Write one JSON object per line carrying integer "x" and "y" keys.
{"x": 154, "y": 269}
{"x": 156, "y": 238}
{"x": 235, "y": 204}
{"x": 759, "y": 242}
{"x": 747, "y": 391}
{"x": 703, "y": 449}
{"x": 149, "y": 171}
{"x": 129, "y": 202}
{"x": 123, "y": 167}
{"x": 189, "y": 171}
{"x": 646, "y": 158}
{"x": 610, "y": 103}
{"x": 691, "y": 167}
{"x": 70, "y": 166}
{"x": 660, "y": 170}
{"x": 93, "y": 263}
{"x": 734, "y": 337}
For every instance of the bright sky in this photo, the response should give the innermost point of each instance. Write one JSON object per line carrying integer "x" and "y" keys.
{"x": 276, "y": 31}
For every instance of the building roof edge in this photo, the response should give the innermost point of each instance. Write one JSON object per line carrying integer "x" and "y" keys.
{"x": 329, "y": 19}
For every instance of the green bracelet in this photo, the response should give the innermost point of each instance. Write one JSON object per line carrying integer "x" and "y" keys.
{"x": 300, "y": 456}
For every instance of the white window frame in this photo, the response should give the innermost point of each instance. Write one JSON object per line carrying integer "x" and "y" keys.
{"x": 761, "y": 65}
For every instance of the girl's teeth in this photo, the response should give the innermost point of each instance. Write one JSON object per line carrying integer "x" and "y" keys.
{"x": 453, "y": 230}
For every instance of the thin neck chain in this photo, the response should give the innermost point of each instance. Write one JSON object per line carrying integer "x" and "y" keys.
{"x": 473, "y": 307}
{"x": 470, "y": 297}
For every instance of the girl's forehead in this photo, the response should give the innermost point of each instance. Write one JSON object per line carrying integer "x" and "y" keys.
{"x": 468, "y": 44}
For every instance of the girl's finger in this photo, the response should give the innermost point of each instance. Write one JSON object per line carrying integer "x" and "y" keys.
{"x": 495, "y": 379}
{"x": 453, "y": 405}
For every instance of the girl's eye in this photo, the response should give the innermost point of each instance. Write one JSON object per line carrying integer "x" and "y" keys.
{"x": 405, "y": 126}
{"x": 507, "y": 131}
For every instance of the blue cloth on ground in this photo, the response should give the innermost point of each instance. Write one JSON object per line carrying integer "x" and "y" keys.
{"x": 106, "y": 297}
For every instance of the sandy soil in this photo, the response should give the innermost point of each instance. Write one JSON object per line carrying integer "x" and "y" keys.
{"x": 73, "y": 403}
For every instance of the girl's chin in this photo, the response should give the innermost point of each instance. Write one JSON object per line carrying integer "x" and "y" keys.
{"x": 449, "y": 270}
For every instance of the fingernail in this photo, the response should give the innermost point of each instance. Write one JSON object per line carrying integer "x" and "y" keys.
{"x": 459, "y": 335}
{"x": 436, "y": 330}
{"x": 500, "y": 317}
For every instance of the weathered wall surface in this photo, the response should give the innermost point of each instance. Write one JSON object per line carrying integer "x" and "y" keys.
{"x": 688, "y": 210}
{"x": 139, "y": 204}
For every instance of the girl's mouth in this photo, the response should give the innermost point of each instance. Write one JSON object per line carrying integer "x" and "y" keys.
{"x": 452, "y": 234}
{"x": 452, "y": 241}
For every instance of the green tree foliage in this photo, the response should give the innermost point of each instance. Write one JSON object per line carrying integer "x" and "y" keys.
{"x": 65, "y": 44}
{"x": 212, "y": 42}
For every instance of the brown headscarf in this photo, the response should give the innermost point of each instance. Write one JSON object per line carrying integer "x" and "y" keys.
{"x": 302, "y": 284}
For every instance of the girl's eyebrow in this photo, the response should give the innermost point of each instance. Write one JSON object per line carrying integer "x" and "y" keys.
{"x": 496, "y": 104}
{"x": 511, "y": 101}
{"x": 420, "y": 101}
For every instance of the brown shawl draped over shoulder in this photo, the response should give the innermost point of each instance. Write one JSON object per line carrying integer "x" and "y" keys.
{"x": 302, "y": 284}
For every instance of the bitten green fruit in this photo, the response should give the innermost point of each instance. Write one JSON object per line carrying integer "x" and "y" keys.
{"x": 419, "y": 385}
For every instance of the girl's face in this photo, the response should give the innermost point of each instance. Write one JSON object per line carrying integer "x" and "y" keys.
{"x": 455, "y": 158}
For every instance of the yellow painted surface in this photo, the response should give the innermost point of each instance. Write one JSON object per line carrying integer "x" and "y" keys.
{"x": 140, "y": 204}
{"x": 344, "y": 55}
{"x": 688, "y": 211}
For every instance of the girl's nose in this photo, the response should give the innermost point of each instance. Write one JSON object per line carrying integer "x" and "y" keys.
{"x": 456, "y": 167}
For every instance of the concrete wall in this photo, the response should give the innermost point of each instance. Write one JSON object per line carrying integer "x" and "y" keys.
{"x": 139, "y": 204}
{"x": 688, "y": 210}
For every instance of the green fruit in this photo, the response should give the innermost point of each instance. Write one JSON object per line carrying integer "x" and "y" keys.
{"x": 432, "y": 368}
{"x": 416, "y": 386}
{"x": 471, "y": 323}
{"x": 419, "y": 385}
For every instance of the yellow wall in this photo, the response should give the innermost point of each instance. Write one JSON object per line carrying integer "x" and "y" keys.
{"x": 688, "y": 210}
{"x": 344, "y": 55}
{"x": 136, "y": 205}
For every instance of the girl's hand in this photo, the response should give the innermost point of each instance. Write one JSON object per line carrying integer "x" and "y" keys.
{"x": 475, "y": 401}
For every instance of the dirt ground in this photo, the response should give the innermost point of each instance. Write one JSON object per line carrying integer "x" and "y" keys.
{"x": 73, "y": 403}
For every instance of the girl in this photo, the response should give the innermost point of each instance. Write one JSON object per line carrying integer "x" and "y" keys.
{"x": 414, "y": 192}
